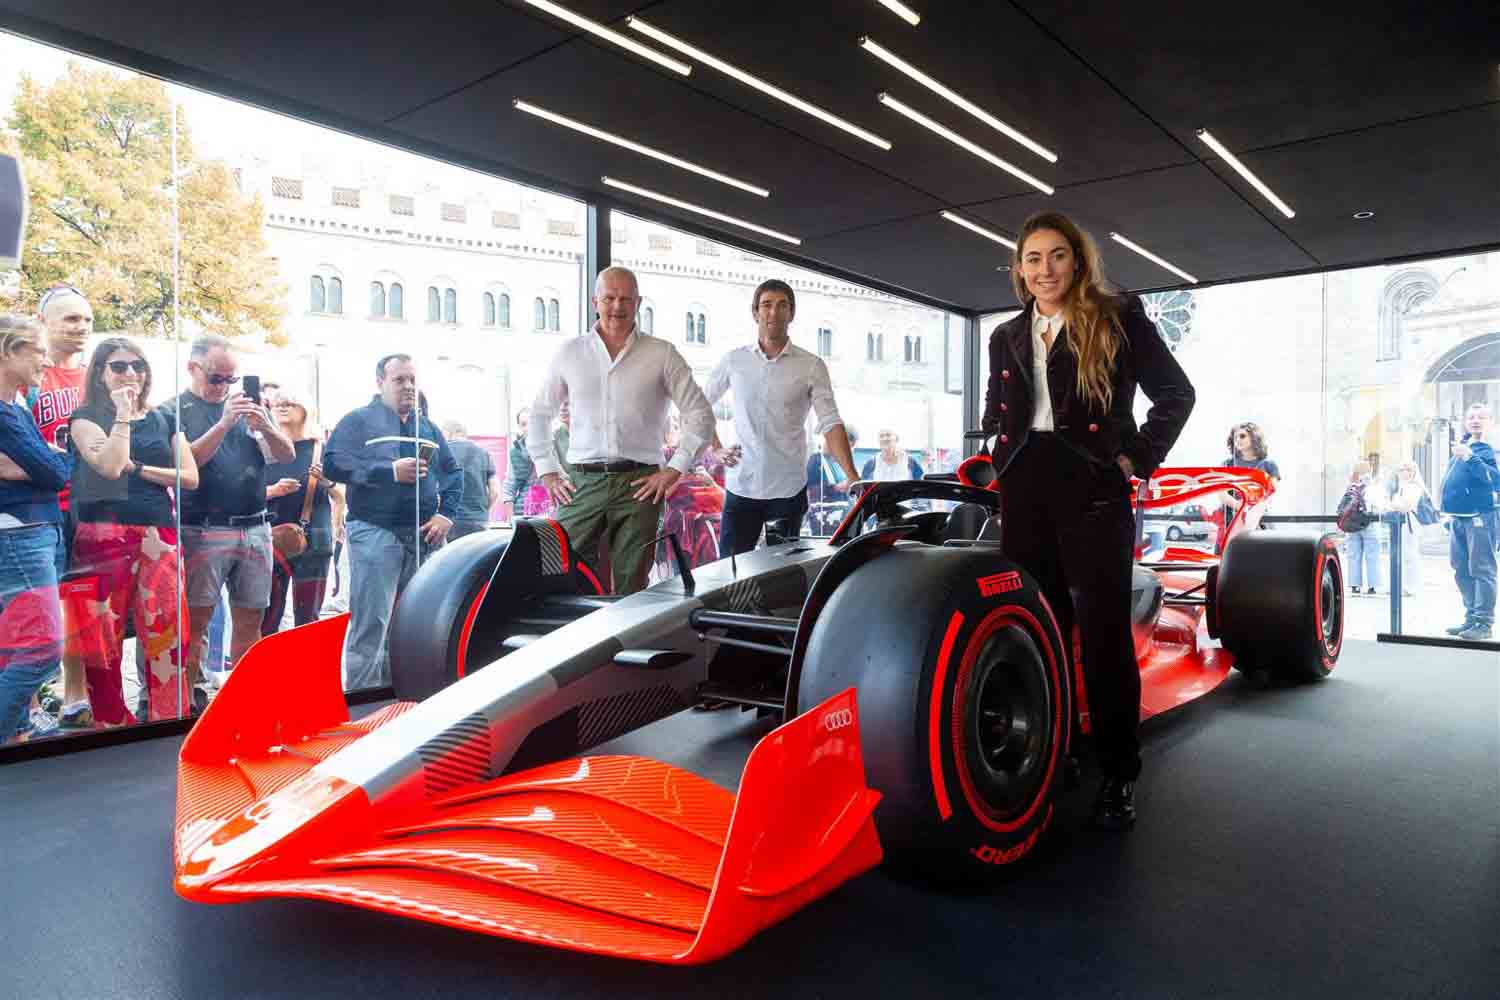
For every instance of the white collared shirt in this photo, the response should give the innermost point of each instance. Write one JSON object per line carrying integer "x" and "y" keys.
{"x": 1041, "y": 413}
{"x": 619, "y": 405}
{"x": 771, "y": 399}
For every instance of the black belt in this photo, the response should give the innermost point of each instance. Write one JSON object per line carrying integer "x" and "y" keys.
{"x": 624, "y": 465}
{"x": 228, "y": 520}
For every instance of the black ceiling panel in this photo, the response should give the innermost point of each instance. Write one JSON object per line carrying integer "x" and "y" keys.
{"x": 1281, "y": 71}
{"x": 813, "y": 189}
{"x": 1432, "y": 184}
{"x": 1183, "y": 214}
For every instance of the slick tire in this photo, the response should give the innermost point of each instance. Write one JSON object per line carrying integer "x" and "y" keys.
{"x": 435, "y": 627}
{"x": 964, "y": 701}
{"x": 1279, "y": 604}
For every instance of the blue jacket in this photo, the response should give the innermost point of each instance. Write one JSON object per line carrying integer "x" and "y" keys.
{"x": 1469, "y": 486}
{"x": 34, "y": 500}
{"x": 374, "y": 494}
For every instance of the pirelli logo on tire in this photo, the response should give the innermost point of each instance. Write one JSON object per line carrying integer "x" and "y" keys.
{"x": 839, "y": 719}
{"x": 999, "y": 583}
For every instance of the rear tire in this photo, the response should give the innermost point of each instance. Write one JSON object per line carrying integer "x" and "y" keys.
{"x": 1279, "y": 604}
{"x": 964, "y": 701}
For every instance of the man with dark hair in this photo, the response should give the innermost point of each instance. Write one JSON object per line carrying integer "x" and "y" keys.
{"x": 226, "y": 534}
{"x": 619, "y": 384}
{"x": 520, "y": 471}
{"x": 404, "y": 493}
{"x": 1469, "y": 490}
{"x": 481, "y": 492}
{"x": 775, "y": 385}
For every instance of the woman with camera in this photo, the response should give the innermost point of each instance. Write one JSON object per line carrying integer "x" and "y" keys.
{"x": 131, "y": 458}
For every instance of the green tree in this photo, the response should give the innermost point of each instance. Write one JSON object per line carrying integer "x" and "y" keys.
{"x": 97, "y": 151}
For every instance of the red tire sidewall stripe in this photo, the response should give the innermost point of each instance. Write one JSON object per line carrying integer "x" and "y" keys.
{"x": 1009, "y": 614}
{"x": 463, "y": 635}
{"x": 935, "y": 718}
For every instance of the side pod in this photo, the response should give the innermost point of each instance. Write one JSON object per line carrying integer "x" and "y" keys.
{"x": 614, "y": 855}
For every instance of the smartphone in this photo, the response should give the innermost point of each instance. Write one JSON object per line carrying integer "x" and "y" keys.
{"x": 250, "y": 385}
{"x": 60, "y": 436}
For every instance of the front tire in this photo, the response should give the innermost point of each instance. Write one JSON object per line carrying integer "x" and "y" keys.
{"x": 964, "y": 700}
{"x": 1279, "y": 604}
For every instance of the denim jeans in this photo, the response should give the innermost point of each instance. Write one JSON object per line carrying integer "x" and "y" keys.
{"x": 1471, "y": 553}
{"x": 743, "y": 517}
{"x": 381, "y": 562}
{"x": 31, "y": 629}
{"x": 1364, "y": 558}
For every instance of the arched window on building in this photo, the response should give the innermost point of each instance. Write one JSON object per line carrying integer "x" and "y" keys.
{"x": 869, "y": 347}
{"x": 702, "y": 329}
{"x": 336, "y": 296}
{"x": 539, "y": 315}
{"x": 317, "y": 295}
{"x": 825, "y": 342}
{"x": 648, "y": 321}
{"x": 503, "y": 308}
{"x": 554, "y": 316}
{"x": 488, "y": 315}
{"x": 377, "y": 300}
{"x": 912, "y": 350}
{"x": 450, "y": 305}
{"x": 434, "y": 305}
{"x": 690, "y": 328}
{"x": 880, "y": 347}
{"x": 395, "y": 306}
{"x": 1405, "y": 291}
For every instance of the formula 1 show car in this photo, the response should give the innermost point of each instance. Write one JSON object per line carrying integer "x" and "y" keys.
{"x": 930, "y": 705}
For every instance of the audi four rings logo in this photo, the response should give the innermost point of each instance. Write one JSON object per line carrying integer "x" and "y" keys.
{"x": 1000, "y": 583}
{"x": 838, "y": 719}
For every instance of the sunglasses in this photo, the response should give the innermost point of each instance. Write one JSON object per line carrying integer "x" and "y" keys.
{"x": 139, "y": 366}
{"x": 214, "y": 378}
{"x": 53, "y": 292}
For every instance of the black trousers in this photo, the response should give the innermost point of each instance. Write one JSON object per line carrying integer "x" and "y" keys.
{"x": 1067, "y": 521}
{"x": 743, "y": 517}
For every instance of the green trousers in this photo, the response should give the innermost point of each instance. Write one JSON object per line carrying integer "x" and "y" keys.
{"x": 603, "y": 509}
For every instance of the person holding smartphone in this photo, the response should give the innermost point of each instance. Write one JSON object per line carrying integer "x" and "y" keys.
{"x": 226, "y": 533}
{"x": 131, "y": 458}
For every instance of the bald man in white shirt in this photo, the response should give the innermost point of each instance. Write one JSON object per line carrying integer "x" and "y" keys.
{"x": 617, "y": 383}
{"x": 775, "y": 384}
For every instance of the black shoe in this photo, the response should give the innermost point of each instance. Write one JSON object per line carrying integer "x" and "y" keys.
{"x": 1114, "y": 809}
{"x": 1456, "y": 629}
{"x": 1475, "y": 632}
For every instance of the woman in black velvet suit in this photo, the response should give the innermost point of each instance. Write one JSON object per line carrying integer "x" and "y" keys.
{"x": 1060, "y": 402}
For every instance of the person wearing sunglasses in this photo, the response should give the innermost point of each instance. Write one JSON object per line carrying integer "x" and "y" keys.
{"x": 226, "y": 533}
{"x": 131, "y": 459}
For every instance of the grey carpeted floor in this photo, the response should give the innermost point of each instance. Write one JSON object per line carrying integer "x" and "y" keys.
{"x": 1341, "y": 839}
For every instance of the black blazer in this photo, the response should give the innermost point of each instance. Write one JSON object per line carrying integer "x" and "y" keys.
{"x": 1143, "y": 361}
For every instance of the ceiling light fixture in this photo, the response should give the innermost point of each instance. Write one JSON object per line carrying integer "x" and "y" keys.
{"x": 1152, "y": 257}
{"x": 959, "y": 140}
{"x": 689, "y": 206}
{"x": 610, "y": 35}
{"x": 748, "y": 80}
{"x": 644, "y": 150}
{"x": 891, "y": 59}
{"x": 1364, "y": 215}
{"x": 1244, "y": 171}
{"x": 902, "y": 11}
{"x": 975, "y": 227}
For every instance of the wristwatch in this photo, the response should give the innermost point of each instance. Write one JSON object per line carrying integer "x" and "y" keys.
{"x": 133, "y": 470}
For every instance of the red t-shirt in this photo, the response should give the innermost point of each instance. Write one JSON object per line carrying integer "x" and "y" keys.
{"x": 60, "y": 394}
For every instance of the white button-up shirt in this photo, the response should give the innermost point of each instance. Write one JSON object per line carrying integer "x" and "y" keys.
{"x": 771, "y": 399}
{"x": 619, "y": 405}
{"x": 1041, "y": 414}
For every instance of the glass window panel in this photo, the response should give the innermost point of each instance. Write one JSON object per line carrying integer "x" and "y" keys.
{"x": 434, "y": 305}
{"x": 702, "y": 329}
{"x": 335, "y": 296}
{"x": 396, "y": 304}
{"x": 648, "y": 320}
{"x": 554, "y": 316}
{"x": 317, "y": 295}
{"x": 489, "y": 309}
{"x": 377, "y": 299}
{"x": 505, "y": 310}
{"x": 450, "y": 305}
{"x": 539, "y": 315}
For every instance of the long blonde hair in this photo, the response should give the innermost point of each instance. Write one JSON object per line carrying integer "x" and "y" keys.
{"x": 1091, "y": 306}
{"x": 16, "y": 330}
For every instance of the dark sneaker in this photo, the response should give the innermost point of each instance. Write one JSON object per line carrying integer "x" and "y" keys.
{"x": 1456, "y": 629}
{"x": 1114, "y": 809}
{"x": 77, "y": 715}
{"x": 1475, "y": 632}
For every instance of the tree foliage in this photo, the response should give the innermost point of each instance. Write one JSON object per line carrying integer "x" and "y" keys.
{"x": 96, "y": 147}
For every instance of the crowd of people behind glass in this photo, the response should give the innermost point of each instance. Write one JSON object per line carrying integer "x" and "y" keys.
{"x": 228, "y": 509}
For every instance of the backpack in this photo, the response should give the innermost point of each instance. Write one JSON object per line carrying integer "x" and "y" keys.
{"x": 1426, "y": 512}
{"x": 1353, "y": 515}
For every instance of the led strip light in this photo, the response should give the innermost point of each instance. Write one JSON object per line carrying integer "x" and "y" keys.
{"x": 989, "y": 234}
{"x": 1152, "y": 257}
{"x": 960, "y": 141}
{"x": 644, "y": 150}
{"x": 902, "y": 11}
{"x": 689, "y": 206}
{"x": 748, "y": 80}
{"x": 1244, "y": 172}
{"x": 891, "y": 59}
{"x": 609, "y": 35}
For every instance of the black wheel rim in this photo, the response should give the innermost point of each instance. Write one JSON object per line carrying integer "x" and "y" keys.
{"x": 1330, "y": 606}
{"x": 1010, "y": 721}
